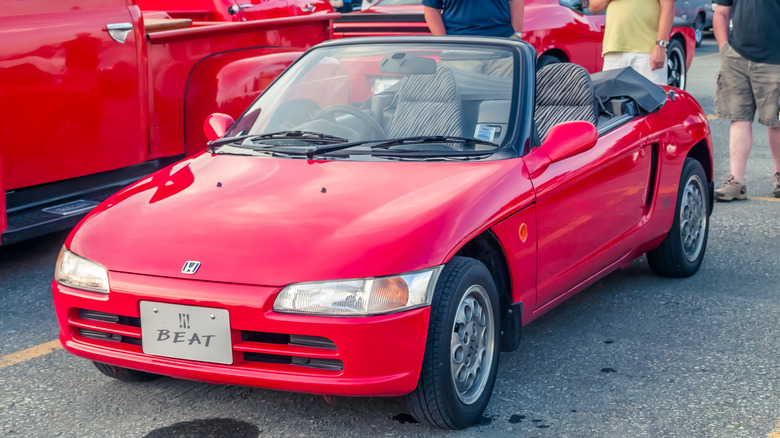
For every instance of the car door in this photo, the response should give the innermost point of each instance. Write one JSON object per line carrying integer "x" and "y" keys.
{"x": 71, "y": 96}
{"x": 252, "y": 10}
{"x": 588, "y": 206}
{"x": 306, "y": 7}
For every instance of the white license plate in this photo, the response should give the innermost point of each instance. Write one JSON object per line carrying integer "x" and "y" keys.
{"x": 186, "y": 332}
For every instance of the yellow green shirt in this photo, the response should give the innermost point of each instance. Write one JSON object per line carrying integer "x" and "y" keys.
{"x": 632, "y": 26}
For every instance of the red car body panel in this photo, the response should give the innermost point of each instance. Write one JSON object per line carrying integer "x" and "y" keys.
{"x": 315, "y": 238}
{"x": 389, "y": 367}
{"x": 259, "y": 224}
{"x": 549, "y": 26}
{"x": 90, "y": 104}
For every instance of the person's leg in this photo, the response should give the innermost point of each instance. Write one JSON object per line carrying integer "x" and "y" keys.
{"x": 614, "y": 60}
{"x": 641, "y": 63}
{"x": 774, "y": 145}
{"x": 734, "y": 100}
{"x": 765, "y": 79}
{"x": 740, "y": 145}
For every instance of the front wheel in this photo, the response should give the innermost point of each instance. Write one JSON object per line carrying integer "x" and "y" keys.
{"x": 682, "y": 251}
{"x": 677, "y": 68}
{"x": 462, "y": 350}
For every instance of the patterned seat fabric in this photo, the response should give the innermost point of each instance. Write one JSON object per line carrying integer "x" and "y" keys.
{"x": 564, "y": 93}
{"x": 428, "y": 104}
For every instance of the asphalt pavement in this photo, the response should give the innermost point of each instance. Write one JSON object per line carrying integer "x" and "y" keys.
{"x": 633, "y": 356}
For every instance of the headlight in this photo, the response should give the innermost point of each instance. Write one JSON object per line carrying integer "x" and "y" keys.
{"x": 78, "y": 272}
{"x": 359, "y": 297}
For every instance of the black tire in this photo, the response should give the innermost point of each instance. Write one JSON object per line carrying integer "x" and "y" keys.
{"x": 546, "y": 60}
{"x": 677, "y": 68}
{"x": 125, "y": 374}
{"x": 439, "y": 400}
{"x": 682, "y": 251}
{"x": 698, "y": 29}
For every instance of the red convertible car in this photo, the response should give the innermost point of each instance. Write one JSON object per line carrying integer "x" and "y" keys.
{"x": 559, "y": 30}
{"x": 384, "y": 219}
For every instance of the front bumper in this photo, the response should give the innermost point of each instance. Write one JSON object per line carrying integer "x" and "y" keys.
{"x": 366, "y": 356}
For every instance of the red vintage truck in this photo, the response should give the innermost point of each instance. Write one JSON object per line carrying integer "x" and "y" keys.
{"x": 95, "y": 94}
{"x": 235, "y": 10}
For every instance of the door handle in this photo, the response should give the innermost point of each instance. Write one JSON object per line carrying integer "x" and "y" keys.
{"x": 233, "y": 10}
{"x": 118, "y": 31}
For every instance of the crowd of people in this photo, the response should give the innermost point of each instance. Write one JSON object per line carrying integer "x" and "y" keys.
{"x": 637, "y": 35}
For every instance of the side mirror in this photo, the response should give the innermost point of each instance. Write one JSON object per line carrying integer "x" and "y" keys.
{"x": 563, "y": 141}
{"x": 216, "y": 125}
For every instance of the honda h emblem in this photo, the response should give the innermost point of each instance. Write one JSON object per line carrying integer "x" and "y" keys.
{"x": 190, "y": 267}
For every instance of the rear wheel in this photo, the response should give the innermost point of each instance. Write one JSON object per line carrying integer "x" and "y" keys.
{"x": 698, "y": 29}
{"x": 682, "y": 251}
{"x": 675, "y": 60}
{"x": 462, "y": 350}
{"x": 546, "y": 60}
{"x": 125, "y": 374}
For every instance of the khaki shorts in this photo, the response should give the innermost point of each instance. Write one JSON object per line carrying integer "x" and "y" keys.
{"x": 746, "y": 86}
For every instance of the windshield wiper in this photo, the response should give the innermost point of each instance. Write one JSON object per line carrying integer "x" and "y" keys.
{"x": 431, "y": 139}
{"x": 386, "y": 144}
{"x": 307, "y": 136}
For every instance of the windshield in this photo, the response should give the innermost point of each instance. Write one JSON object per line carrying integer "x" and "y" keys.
{"x": 430, "y": 97}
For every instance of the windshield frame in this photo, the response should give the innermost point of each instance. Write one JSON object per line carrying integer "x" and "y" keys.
{"x": 518, "y": 138}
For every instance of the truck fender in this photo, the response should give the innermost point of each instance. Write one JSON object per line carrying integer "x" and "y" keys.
{"x": 228, "y": 82}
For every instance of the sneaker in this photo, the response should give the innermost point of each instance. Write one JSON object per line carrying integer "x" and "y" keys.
{"x": 777, "y": 185}
{"x": 731, "y": 190}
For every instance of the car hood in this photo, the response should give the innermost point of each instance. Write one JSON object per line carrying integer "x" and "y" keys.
{"x": 271, "y": 222}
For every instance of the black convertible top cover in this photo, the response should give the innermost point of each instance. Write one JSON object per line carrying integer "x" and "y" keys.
{"x": 629, "y": 83}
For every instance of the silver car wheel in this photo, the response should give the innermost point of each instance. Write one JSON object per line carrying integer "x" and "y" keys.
{"x": 472, "y": 344}
{"x": 693, "y": 218}
{"x": 675, "y": 62}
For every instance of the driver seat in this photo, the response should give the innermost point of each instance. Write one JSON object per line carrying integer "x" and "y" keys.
{"x": 427, "y": 104}
{"x": 564, "y": 93}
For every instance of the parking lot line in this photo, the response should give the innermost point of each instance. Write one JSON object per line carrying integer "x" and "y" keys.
{"x": 710, "y": 55}
{"x": 758, "y": 198}
{"x": 30, "y": 353}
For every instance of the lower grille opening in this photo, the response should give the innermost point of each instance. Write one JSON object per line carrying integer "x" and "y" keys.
{"x": 103, "y": 336}
{"x": 109, "y": 317}
{"x": 280, "y": 338}
{"x": 323, "y": 364}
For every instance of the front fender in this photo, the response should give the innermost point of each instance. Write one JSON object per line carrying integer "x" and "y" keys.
{"x": 227, "y": 83}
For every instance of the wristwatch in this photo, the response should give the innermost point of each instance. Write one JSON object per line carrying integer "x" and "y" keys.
{"x": 663, "y": 43}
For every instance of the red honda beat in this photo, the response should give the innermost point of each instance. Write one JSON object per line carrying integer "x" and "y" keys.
{"x": 384, "y": 219}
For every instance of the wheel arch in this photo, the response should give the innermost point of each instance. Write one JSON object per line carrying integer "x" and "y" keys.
{"x": 486, "y": 248}
{"x": 701, "y": 153}
{"x": 558, "y": 53}
{"x": 228, "y": 82}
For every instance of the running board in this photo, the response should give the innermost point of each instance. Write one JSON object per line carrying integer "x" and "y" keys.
{"x": 47, "y": 208}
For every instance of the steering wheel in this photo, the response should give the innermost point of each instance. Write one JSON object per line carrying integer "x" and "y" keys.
{"x": 330, "y": 112}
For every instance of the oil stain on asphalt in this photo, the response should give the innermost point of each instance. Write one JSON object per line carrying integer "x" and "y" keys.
{"x": 215, "y": 427}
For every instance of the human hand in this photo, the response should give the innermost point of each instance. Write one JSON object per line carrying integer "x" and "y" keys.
{"x": 657, "y": 58}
